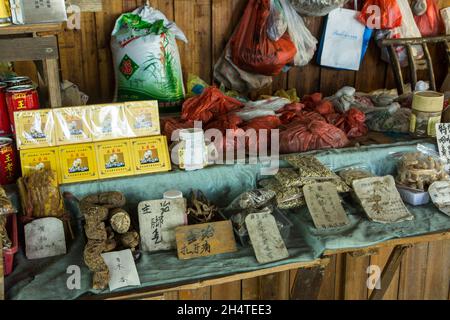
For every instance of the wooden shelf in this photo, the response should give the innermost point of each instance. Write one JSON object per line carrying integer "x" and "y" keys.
{"x": 31, "y": 28}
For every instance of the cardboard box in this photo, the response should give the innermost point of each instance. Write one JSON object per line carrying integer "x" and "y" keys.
{"x": 33, "y": 159}
{"x": 150, "y": 155}
{"x": 38, "y": 11}
{"x": 108, "y": 122}
{"x": 114, "y": 159}
{"x": 72, "y": 125}
{"x": 143, "y": 118}
{"x": 34, "y": 129}
{"x": 78, "y": 163}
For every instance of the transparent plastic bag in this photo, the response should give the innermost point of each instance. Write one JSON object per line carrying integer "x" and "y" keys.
{"x": 253, "y": 199}
{"x": 286, "y": 197}
{"x": 355, "y": 172}
{"x": 277, "y": 24}
{"x": 418, "y": 170}
{"x": 316, "y": 8}
{"x": 302, "y": 38}
{"x": 262, "y": 108}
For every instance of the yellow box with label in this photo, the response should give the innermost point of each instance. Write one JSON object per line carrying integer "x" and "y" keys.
{"x": 34, "y": 129}
{"x": 142, "y": 118}
{"x": 72, "y": 125}
{"x": 150, "y": 155}
{"x": 35, "y": 159}
{"x": 108, "y": 122}
{"x": 114, "y": 159}
{"x": 78, "y": 163}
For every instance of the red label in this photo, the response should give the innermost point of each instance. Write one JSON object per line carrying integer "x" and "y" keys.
{"x": 21, "y": 101}
{"x": 8, "y": 165}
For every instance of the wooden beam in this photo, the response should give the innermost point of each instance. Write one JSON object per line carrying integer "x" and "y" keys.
{"x": 389, "y": 271}
{"x": 307, "y": 283}
{"x": 51, "y": 71}
{"x": 31, "y": 28}
{"x": 27, "y": 49}
{"x": 88, "y": 5}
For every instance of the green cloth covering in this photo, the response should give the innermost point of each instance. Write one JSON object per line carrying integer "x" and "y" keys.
{"x": 46, "y": 278}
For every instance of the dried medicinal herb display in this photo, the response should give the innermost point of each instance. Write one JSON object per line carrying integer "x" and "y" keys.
{"x": 107, "y": 228}
{"x": 311, "y": 170}
{"x": 351, "y": 174}
{"x": 6, "y": 206}
{"x": 289, "y": 177}
{"x": 200, "y": 210}
{"x": 285, "y": 197}
{"x": 253, "y": 199}
{"x": 417, "y": 170}
{"x": 5, "y": 242}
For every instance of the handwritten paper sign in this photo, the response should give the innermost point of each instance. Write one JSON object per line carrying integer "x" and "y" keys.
{"x": 325, "y": 206}
{"x": 205, "y": 240}
{"x": 265, "y": 237}
{"x": 122, "y": 269}
{"x": 158, "y": 220}
{"x": 45, "y": 238}
{"x": 380, "y": 199}
{"x": 443, "y": 139}
{"x": 440, "y": 195}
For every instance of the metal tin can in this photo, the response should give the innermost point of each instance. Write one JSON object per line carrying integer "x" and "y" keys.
{"x": 5, "y": 13}
{"x": 18, "y": 81}
{"x": 8, "y": 162}
{"x": 21, "y": 98}
{"x": 5, "y": 125}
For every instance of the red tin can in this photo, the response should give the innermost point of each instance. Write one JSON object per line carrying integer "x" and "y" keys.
{"x": 5, "y": 125}
{"x": 18, "y": 81}
{"x": 8, "y": 162}
{"x": 21, "y": 98}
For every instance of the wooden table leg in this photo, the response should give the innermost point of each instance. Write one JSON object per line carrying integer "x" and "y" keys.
{"x": 307, "y": 283}
{"x": 389, "y": 271}
{"x": 51, "y": 71}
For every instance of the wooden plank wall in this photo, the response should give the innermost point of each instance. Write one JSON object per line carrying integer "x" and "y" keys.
{"x": 208, "y": 24}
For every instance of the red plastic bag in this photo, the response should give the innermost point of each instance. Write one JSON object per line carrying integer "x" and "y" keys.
{"x": 266, "y": 122}
{"x": 210, "y": 103}
{"x": 300, "y": 137}
{"x": 352, "y": 122}
{"x": 430, "y": 23}
{"x": 390, "y": 14}
{"x": 169, "y": 125}
{"x": 251, "y": 48}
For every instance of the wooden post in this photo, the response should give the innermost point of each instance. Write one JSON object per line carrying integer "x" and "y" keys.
{"x": 307, "y": 283}
{"x": 389, "y": 271}
{"x": 51, "y": 71}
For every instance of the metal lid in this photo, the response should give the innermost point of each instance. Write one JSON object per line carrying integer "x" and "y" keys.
{"x": 5, "y": 141}
{"x": 20, "y": 88}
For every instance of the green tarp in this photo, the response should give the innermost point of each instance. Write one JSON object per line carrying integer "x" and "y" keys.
{"x": 47, "y": 278}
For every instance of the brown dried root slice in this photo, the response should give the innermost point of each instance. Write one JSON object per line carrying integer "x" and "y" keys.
{"x": 120, "y": 221}
{"x": 92, "y": 255}
{"x": 94, "y": 212}
{"x": 95, "y": 231}
{"x": 100, "y": 280}
{"x": 110, "y": 245}
{"x": 109, "y": 200}
{"x": 5, "y": 242}
{"x": 130, "y": 239}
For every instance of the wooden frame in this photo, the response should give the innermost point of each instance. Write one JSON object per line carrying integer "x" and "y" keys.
{"x": 36, "y": 43}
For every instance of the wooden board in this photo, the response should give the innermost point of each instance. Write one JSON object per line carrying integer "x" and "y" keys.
{"x": 205, "y": 240}
{"x": 89, "y": 5}
{"x": 31, "y": 28}
{"x": 25, "y": 49}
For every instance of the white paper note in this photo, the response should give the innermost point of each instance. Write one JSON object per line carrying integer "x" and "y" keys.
{"x": 381, "y": 200}
{"x": 45, "y": 238}
{"x": 440, "y": 195}
{"x": 122, "y": 269}
{"x": 325, "y": 206}
{"x": 158, "y": 220}
{"x": 266, "y": 238}
{"x": 443, "y": 140}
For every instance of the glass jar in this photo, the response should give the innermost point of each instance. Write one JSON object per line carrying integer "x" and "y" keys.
{"x": 426, "y": 113}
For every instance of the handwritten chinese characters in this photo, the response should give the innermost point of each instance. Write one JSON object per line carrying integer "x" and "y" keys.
{"x": 265, "y": 237}
{"x": 205, "y": 240}
{"x": 122, "y": 269}
{"x": 440, "y": 195}
{"x": 325, "y": 206}
{"x": 158, "y": 220}
{"x": 45, "y": 238}
{"x": 443, "y": 139}
{"x": 380, "y": 199}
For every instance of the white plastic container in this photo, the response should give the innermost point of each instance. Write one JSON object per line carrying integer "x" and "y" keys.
{"x": 414, "y": 198}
